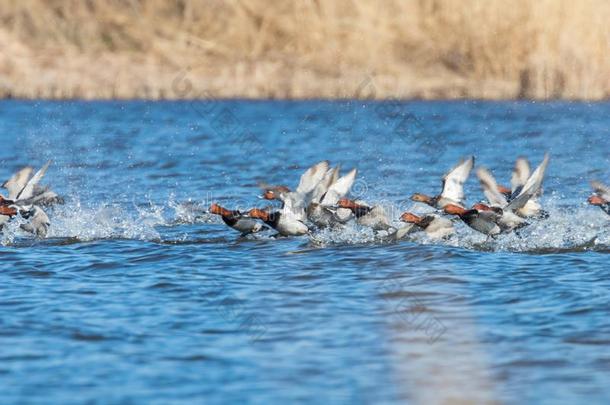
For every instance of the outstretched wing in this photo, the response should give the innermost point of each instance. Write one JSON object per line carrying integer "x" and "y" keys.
{"x": 453, "y": 181}
{"x": 521, "y": 173}
{"x": 17, "y": 182}
{"x": 490, "y": 188}
{"x": 28, "y": 190}
{"x": 339, "y": 188}
{"x": 311, "y": 177}
{"x": 531, "y": 187}
{"x": 329, "y": 178}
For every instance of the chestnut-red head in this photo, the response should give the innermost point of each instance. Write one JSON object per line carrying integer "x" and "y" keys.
{"x": 482, "y": 207}
{"x": 417, "y": 197}
{"x": 453, "y": 209}
{"x": 410, "y": 218}
{"x": 504, "y": 190}
{"x": 6, "y": 210}
{"x": 596, "y": 200}
{"x": 347, "y": 203}
{"x": 274, "y": 192}
{"x": 259, "y": 214}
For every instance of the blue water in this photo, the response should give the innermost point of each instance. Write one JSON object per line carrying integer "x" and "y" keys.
{"x": 138, "y": 296}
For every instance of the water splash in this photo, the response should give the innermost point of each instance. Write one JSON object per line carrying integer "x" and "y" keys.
{"x": 105, "y": 221}
{"x": 567, "y": 229}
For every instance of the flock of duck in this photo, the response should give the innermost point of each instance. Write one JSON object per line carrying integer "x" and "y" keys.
{"x": 320, "y": 201}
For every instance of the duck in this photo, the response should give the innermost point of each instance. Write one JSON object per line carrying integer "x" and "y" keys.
{"x": 601, "y": 196}
{"x": 374, "y": 217}
{"x": 39, "y": 195}
{"x": 38, "y": 222}
{"x": 510, "y": 210}
{"x": 435, "y": 226}
{"x": 452, "y": 191}
{"x": 298, "y": 200}
{"x": 236, "y": 220}
{"x": 499, "y": 195}
{"x": 480, "y": 217}
{"x": 322, "y": 210}
{"x": 284, "y": 222}
{"x": 24, "y": 202}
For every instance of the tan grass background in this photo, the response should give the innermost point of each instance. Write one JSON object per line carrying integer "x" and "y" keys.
{"x": 492, "y": 49}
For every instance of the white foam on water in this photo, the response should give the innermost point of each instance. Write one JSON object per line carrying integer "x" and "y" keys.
{"x": 568, "y": 228}
{"x": 105, "y": 221}
{"x": 191, "y": 212}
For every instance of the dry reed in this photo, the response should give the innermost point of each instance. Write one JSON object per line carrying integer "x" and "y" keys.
{"x": 305, "y": 48}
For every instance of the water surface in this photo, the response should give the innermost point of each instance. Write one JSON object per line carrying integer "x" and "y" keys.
{"x": 139, "y": 296}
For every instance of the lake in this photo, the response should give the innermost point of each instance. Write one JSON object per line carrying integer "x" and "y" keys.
{"x": 138, "y": 296}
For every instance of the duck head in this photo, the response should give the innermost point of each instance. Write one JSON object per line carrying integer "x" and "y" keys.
{"x": 8, "y": 210}
{"x": 259, "y": 214}
{"x": 484, "y": 207}
{"x": 274, "y": 192}
{"x": 453, "y": 209}
{"x": 347, "y": 203}
{"x": 218, "y": 210}
{"x": 410, "y": 218}
{"x": 596, "y": 200}
{"x": 504, "y": 190}
{"x": 426, "y": 199}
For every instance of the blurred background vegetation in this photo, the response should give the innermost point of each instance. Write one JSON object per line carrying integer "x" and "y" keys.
{"x": 491, "y": 49}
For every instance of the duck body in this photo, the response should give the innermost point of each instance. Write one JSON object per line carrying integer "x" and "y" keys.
{"x": 374, "y": 217}
{"x": 38, "y": 221}
{"x": 284, "y": 222}
{"x": 236, "y": 220}
{"x": 436, "y": 227}
{"x": 485, "y": 222}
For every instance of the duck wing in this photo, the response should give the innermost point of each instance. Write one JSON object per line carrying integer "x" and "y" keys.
{"x": 28, "y": 190}
{"x": 453, "y": 181}
{"x": 531, "y": 187}
{"x": 329, "y": 178}
{"x": 17, "y": 182}
{"x": 521, "y": 173}
{"x": 339, "y": 188}
{"x": 311, "y": 177}
{"x": 490, "y": 188}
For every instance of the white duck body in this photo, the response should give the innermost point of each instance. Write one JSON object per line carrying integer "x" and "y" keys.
{"x": 38, "y": 221}
{"x": 376, "y": 219}
{"x": 439, "y": 227}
